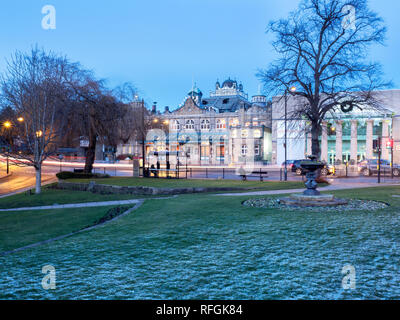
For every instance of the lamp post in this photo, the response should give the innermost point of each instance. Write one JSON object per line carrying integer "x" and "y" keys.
{"x": 292, "y": 90}
{"x": 167, "y": 164}
{"x": 7, "y": 125}
{"x": 143, "y": 141}
{"x": 61, "y": 157}
{"x": 391, "y": 156}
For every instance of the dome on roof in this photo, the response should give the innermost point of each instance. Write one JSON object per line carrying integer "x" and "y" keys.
{"x": 229, "y": 83}
{"x": 195, "y": 92}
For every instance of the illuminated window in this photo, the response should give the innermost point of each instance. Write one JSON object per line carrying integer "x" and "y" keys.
{"x": 234, "y": 122}
{"x": 221, "y": 124}
{"x": 244, "y": 149}
{"x": 244, "y": 133}
{"x": 257, "y": 133}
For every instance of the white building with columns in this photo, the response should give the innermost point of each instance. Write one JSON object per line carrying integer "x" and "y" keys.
{"x": 346, "y": 137}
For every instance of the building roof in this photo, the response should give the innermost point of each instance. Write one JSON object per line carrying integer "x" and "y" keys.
{"x": 229, "y": 83}
{"x": 225, "y": 103}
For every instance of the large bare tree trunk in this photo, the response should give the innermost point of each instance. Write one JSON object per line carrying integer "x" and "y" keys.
{"x": 90, "y": 154}
{"x": 315, "y": 147}
{"x": 38, "y": 185}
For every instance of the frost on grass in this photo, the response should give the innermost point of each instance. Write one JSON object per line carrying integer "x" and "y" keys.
{"x": 235, "y": 253}
{"x": 353, "y": 205}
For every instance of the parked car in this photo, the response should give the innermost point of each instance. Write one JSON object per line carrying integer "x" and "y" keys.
{"x": 370, "y": 167}
{"x": 289, "y": 163}
{"x": 294, "y": 166}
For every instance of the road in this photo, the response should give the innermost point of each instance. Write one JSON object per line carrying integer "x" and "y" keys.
{"x": 21, "y": 178}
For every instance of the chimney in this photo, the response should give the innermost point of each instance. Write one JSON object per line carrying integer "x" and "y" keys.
{"x": 154, "y": 108}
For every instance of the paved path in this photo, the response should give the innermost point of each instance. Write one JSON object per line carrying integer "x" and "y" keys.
{"x": 33, "y": 245}
{"x": 332, "y": 187}
{"x": 86, "y": 204}
{"x": 76, "y": 205}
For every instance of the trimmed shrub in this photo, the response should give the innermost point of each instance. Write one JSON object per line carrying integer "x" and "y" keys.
{"x": 124, "y": 157}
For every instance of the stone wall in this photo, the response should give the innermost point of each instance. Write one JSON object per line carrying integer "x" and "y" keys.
{"x": 109, "y": 189}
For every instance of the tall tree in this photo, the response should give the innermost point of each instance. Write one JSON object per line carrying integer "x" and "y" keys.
{"x": 323, "y": 50}
{"x": 96, "y": 115}
{"x": 34, "y": 86}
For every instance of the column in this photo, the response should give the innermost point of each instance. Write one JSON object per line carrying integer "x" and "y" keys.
{"x": 353, "y": 142}
{"x": 309, "y": 144}
{"x": 385, "y": 139}
{"x": 339, "y": 141}
{"x": 369, "y": 140}
{"x": 396, "y": 138}
{"x": 324, "y": 141}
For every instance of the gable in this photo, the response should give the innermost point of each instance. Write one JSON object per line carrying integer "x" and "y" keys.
{"x": 190, "y": 107}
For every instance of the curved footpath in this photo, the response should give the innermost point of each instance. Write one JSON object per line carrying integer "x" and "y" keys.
{"x": 137, "y": 205}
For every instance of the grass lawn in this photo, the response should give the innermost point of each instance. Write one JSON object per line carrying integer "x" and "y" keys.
{"x": 178, "y": 183}
{"x": 18, "y": 229}
{"x": 53, "y": 196}
{"x": 209, "y": 247}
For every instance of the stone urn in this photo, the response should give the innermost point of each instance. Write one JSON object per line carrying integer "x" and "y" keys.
{"x": 311, "y": 168}
{"x": 311, "y": 196}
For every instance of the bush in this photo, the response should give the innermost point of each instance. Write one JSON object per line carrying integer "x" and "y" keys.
{"x": 124, "y": 157}
{"x": 64, "y": 175}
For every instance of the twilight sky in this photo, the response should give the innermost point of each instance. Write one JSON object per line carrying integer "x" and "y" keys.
{"x": 163, "y": 45}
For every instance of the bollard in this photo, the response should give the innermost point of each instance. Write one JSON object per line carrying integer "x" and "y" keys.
{"x": 206, "y": 172}
{"x": 223, "y": 173}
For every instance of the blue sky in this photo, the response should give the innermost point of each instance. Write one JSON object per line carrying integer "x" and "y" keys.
{"x": 162, "y": 45}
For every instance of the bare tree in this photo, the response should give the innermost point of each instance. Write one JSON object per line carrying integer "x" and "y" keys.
{"x": 96, "y": 115}
{"x": 323, "y": 49}
{"x": 34, "y": 87}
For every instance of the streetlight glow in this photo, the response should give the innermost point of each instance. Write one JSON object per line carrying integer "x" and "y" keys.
{"x": 20, "y": 119}
{"x": 293, "y": 89}
{"x": 39, "y": 133}
{"x": 7, "y": 124}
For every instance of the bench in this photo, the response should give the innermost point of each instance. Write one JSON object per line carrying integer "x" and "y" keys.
{"x": 258, "y": 173}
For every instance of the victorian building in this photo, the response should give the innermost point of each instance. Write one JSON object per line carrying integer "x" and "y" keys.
{"x": 225, "y": 128}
